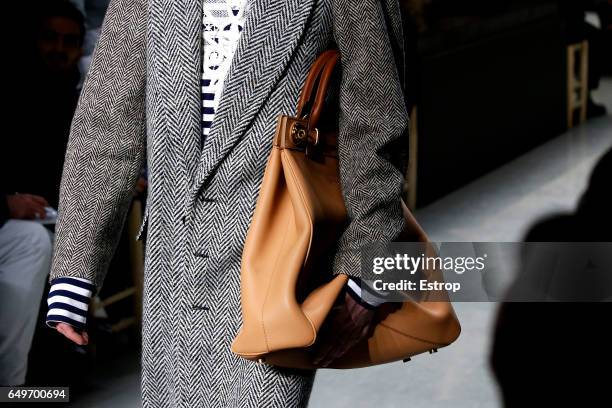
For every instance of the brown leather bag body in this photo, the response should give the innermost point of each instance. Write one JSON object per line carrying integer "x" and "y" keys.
{"x": 298, "y": 217}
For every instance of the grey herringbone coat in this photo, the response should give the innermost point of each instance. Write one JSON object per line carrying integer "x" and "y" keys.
{"x": 141, "y": 99}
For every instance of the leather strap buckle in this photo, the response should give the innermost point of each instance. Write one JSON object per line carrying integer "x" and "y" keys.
{"x": 301, "y": 136}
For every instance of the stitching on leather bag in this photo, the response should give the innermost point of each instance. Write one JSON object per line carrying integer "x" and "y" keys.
{"x": 302, "y": 196}
{"x": 263, "y": 327}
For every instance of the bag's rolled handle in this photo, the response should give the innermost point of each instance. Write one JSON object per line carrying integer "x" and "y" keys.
{"x": 313, "y": 73}
{"x": 323, "y": 68}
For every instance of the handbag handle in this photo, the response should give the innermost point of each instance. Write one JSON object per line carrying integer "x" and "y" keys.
{"x": 312, "y": 75}
{"x": 322, "y": 70}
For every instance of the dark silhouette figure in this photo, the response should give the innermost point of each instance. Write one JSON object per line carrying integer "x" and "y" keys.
{"x": 556, "y": 353}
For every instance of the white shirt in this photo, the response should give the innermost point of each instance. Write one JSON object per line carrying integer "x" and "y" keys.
{"x": 222, "y": 24}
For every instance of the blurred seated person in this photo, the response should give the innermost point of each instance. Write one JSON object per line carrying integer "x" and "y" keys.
{"x": 25, "y": 258}
{"x": 43, "y": 96}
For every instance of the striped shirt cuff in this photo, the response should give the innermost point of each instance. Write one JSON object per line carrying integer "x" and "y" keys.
{"x": 68, "y": 301}
{"x": 354, "y": 289}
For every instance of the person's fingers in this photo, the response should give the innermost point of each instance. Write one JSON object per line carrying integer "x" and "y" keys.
{"x": 69, "y": 332}
{"x": 345, "y": 342}
{"x": 35, "y": 212}
{"x": 326, "y": 342}
{"x": 335, "y": 353}
{"x": 75, "y": 337}
{"x": 329, "y": 356}
{"x": 31, "y": 209}
{"x": 350, "y": 335}
{"x": 31, "y": 212}
{"x": 337, "y": 344}
{"x": 40, "y": 211}
{"x": 352, "y": 323}
{"x": 325, "y": 345}
{"x": 36, "y": 209}
{"x": 39, "y": 200}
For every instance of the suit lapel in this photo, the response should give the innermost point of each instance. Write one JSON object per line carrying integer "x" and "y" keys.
{"x": 272, "y": 30}
{"x": 182, "y": 61}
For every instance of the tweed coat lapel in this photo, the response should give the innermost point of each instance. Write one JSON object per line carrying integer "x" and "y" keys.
{"x": 182, "y": 59}
{"x": 271, "y": 33}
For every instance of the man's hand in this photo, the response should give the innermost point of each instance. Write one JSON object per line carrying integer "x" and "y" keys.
{"x": 26, "y": 206}
{"x": 68, "y": 331}
{"x": 353, "y": 322}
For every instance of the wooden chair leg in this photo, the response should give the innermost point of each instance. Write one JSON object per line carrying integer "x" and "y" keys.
{"x": 411, "y": 173}
{"x": 136, "y": 258}
{"x": 584, "y": 80}
{"x": 582, "y": 85}
{"x": 571, "y": 60}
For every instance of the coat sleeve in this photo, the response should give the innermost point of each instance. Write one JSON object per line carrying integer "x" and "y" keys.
{"x": 106, "y": 147}
{"x": 372, "y": 119}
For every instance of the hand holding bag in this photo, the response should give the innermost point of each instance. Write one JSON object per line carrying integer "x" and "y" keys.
{"x": 299, "y": 215}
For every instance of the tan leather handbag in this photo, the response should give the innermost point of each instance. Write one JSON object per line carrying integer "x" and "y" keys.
{"x": 298, "y": 216}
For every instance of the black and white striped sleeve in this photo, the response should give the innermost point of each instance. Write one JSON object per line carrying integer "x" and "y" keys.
{"x": 69, "y": 297}
{"x": 68, "y": 301}
{"x": 354, "y": 288}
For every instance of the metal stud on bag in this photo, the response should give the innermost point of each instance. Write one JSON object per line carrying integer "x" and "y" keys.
{"x": 299, "y": 135}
